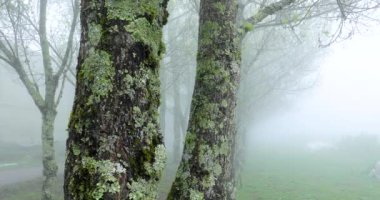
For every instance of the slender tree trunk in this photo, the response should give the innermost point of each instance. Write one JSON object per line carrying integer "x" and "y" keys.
{"x": 206, "y": 169}
{"x": 163, "y": 108}
{"x": 16, "y": 55}
{"x": 177, "y": 124}
{"x": 115, "y": 148}
{"x": 50, "y": 166}
{"x": 49, "y": 113}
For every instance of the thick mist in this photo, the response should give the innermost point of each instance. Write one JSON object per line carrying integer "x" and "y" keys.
{"x": 308, "y": 106}
{"x": 20, "y": 119}
{"x": 325, "y": 143}
{"x": 343, "y": 102}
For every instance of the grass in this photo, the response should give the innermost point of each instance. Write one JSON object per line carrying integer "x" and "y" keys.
{"x": 16, "y": 156}
{"x": 13, "y": 156}
{"x": 275, "y": 172}
{"x": 29, "y": 190}
{"x": 295, "y": 174}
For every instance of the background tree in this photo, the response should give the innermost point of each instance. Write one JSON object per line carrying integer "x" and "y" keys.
{"x": 177, "y": 82}
{"x": 277, "y": 68}
{"x": 115, "y": 148}
{"x": 42, "y": 60}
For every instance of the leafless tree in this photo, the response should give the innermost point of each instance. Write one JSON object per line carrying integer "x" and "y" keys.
{"x": 42, "y": 53}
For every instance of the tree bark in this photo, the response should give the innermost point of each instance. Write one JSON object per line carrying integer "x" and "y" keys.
{"x": 50, "y": 166}
{"x": 206, "y": 169}
{"x": 115, "y": 148}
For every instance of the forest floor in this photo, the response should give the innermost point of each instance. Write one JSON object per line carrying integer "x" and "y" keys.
{"x": 21, "y": 171}
{"x": 292, "y": 173}
{"x": 17, "y": 175}
{"x": 274, "y": 172}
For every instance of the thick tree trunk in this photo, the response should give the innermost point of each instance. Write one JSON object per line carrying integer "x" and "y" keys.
{"x": 115, "y": 148}
{"x": 206, "y": 169}
{"x": 50, "y": 166}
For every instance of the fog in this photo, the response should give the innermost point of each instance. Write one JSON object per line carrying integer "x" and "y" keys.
{"x": 20, "y": 120}
{"x": 344, "y": 101}
{"x": 324, "y": 144}
{"x": 308, "y": 113}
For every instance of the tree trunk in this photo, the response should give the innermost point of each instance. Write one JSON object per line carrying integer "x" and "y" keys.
{"x": 50, "y": 166}
{"x": 206, "y": 169}
{"x": 49, "y": 113}
{"x": 115, "y": 148}
{"x": 177, "y": 124}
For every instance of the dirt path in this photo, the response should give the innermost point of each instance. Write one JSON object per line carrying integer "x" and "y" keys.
{"x": 11, "y": 176}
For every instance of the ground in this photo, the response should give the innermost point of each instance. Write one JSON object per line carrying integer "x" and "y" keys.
{"x": 18, "y": 175}
{"x": 293, "y": 173}
{"x": 272, "y": 172}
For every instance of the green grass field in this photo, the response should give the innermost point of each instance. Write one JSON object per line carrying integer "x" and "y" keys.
{"x": 29, "y": 190}
{"x": 294, "y": 174}
{"x": 282, "y": 173}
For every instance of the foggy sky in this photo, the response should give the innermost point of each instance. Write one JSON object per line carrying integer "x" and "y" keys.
{"x": 20, "y": 120}
{"x": 345, "y": 101}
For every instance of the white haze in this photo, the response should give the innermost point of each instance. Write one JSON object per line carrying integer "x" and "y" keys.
{"x": 345, "y": 101}
{"x": 20, "y": 120}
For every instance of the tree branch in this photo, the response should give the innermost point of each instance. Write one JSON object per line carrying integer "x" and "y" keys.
{"x": 264, "y": 13}
{"x": 5, "y": 59}
{"x": 11, "y": 50}
{"x": 3, "y": 48}
{"x": 69, "y": 47}
{"x": 62, "y": 88}
{"x": 27, "y": 62}
{"x": 15, "y": 63}
{"x": 50, "y": 82}
{"x": 341, "y": 8}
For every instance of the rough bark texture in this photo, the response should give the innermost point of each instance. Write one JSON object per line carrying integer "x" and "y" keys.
{"x": 206, "y": 169}
{"x": 115, "y": 148}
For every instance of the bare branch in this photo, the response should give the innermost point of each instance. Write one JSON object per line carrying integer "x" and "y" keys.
{"x": 27, "y": 61}
{"x": 36, "y": 96}
{"x": 267, "y": 11}
{"x": 5, "y": 59}
{"x": 70, "y": 81}
{"x": 3, "y": 48}
{"x": 15, "y": 63}
{"x": 69, "y": 47}
{"x": 61, "y": 88}
{"x": 50, "y": 81}
{"x": 341, "y": 8}
{"x": 10, "y": 47}
{"x": 72, "y": 72}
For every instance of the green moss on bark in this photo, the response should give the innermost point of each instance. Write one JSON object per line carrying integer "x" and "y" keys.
{"x": 149, "y": 34}
{"x": 206, "y": 169}
{"x": 114, "y": 123}
{"x": 97, "y": 73}
{"x": 129, "y": 10}
{"x": 98, "y": 177}
{"x": 147, "y": 189}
